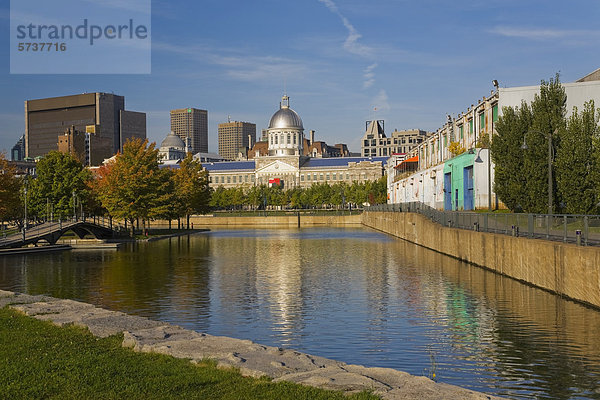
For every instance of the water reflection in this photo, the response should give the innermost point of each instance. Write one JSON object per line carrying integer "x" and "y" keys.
{"x": 350, "y": 294}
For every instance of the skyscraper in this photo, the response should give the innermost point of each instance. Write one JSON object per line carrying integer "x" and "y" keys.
{"x": 191, "y": 123}
{"x": 235, "y": 135}
{"x": 46, "y": 119}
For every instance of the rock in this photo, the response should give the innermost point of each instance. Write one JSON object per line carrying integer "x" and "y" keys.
{"x": 251, "y": 359}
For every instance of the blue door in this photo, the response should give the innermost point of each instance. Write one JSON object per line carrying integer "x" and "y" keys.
{"x": 468, "y": 187}
{"x": 448, "y": 191}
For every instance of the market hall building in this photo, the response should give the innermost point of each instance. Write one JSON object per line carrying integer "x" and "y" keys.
{"x": 285, "y": 164}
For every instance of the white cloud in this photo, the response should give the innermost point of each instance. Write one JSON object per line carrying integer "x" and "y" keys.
{"x": 381, "y": 102}
{"x": 239, "y": 64}
{"x": 369, "y": 76}
{"x": 540, "y": 34}
{"x": 351, "y": 43}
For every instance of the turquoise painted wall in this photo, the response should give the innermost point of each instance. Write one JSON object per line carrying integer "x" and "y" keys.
{"x": 456, "y": 167}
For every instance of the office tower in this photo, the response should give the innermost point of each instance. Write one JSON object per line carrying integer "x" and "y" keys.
{"x": 235, "y": 136}
{"x": 191, "y": 125}
{"x": 46, "y": 119}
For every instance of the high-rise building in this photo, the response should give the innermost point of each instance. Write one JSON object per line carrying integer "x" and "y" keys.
{"x": 17, "y": 153}
{"x": 46, "y": 119}
{"x": 234, "y": 136}
{"x": 191, "y": 125}
{"x": 376, "y": 144}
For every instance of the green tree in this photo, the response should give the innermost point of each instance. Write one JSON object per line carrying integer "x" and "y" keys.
{"x": 576, "y": 164}
{"x": 61, "y": 182}
{"x": 548, "y": 110}
{"x": 508, "y": 156}
{"x": 129, "y": 187}
{"x": 11, "y": 204}
{"x": 192, "y": 192}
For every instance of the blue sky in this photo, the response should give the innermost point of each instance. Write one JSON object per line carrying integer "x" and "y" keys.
{"x": 414, "y": 61}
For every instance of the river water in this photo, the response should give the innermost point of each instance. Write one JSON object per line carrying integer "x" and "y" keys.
{"x": 354, "y": 295}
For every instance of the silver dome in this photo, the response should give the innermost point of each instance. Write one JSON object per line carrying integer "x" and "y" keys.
{"x": 285, "y": 117}
{"x": 173, "y": 140}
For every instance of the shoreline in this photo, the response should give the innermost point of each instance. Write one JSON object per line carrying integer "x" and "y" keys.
{"x": 251, "y": 359}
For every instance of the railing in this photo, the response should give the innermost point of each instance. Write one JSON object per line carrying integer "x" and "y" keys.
{"x": 291, "y": 212}
{"x": 581, "y": 229}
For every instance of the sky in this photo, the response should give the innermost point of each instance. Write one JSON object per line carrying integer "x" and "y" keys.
{"x": 342, "y": 62}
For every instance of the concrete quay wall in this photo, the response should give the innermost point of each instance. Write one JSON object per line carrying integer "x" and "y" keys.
{"x": 565, "y": 269}
{"x": 274, "y": 221}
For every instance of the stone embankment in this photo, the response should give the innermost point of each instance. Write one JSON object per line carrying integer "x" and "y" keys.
{"x": 565, "y": 269}
{"x": 144, "y": 335}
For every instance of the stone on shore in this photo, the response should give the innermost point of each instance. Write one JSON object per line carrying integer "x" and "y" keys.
{"x": 251, "y": 359}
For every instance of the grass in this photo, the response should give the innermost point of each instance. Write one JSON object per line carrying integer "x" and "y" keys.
{"x": 40, "y": 360}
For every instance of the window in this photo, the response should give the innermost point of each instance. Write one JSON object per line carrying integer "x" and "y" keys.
{"x": 276, "y": 138}
{"x": 228, "y": 179}
{"x": 334, "y": 176}
{"x": 327, "y": 176}
{"x": 315, "y": 176}
{"x": 471, "y": 126}
{"x": 347, "y": 176}
{"x": 308, "y": 177}
{"x": 252, "y": 178}
{"x": 481, "y": 121}
{"x": 461, "y": 131}
{"x": 495, "y": 113}
{"x": 288, "y": 138}
{"x": 246, "y": 178}
{"x": 374, "y": 142}
{"x": 222, "y": 179}
{"x": 366, "y": 143}
{"x": 295, "y": 138}
{"x": 234, "y": 179}
{"x": 321, "y": 176}
{"x": 210, "y": 179}
{"x": 302, "y": 178}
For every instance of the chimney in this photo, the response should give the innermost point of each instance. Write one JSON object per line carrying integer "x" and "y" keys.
{"x": 312, "y": 136}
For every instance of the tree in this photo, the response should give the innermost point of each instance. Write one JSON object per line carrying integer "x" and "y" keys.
{"x": 129, "y": 187}
{"x": 576, "y": 165}
{"x": 455, "y": 148}
{"x": 61, "y": 183}
{"x": 548, "y": 111}
{"x": 191, "y": 188}
{"x": 10, "y": 189}
{"x": 508, "y": 156}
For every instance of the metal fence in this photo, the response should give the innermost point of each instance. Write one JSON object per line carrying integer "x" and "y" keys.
{"x": 581, "y": 229}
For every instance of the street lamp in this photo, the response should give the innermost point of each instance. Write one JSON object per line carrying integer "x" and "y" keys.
{"x": 74, "y": 209}
{"x": 25, "y": 207}
{"x": 525, "y": 147}
{"x": 489, "y": 169}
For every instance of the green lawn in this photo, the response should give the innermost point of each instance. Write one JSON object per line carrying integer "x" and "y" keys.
{"x": 40, "y": 360}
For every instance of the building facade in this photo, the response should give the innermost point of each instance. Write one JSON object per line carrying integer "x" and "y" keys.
{"x": 235, "y": 136}
{"x": 463, "y": 180}
{"x": 17, "y": 153}
{"x": 46, "y": 119}
{"x": 282, "y": 159}
{"x": 191, "y": 124}
{"x": 375, "y": 143}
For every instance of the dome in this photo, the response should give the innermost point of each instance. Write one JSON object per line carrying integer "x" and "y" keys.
{"x": 285, "y": 117}
{"x": 173, "y": 140}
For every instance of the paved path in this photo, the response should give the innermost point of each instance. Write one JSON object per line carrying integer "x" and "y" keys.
{"x": 144, "y": 335}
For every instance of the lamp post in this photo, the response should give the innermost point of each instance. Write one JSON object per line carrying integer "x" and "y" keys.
{"x": 25, "y": 208}
{"x": 489, "y": 171}
{"x": 74, "y": 208}
{"x": 525, "y": 147}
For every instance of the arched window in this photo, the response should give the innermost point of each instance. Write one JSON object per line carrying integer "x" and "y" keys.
{"x": 288, "y": 138}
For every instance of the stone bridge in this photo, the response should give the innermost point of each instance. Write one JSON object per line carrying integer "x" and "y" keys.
{"x": 50, "y": 232}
